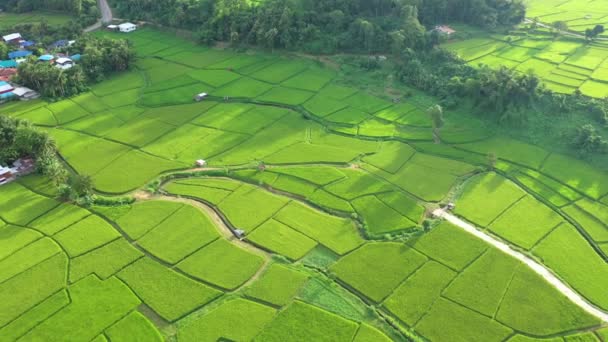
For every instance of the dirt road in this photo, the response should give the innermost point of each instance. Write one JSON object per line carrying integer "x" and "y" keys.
{"x": 106, "y": 16}
{"x": 531, "y": 263}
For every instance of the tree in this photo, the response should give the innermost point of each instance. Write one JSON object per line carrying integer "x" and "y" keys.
{"x": 436, "y": 114}
{"x": 492, "y": 159}
{"x": 560, "y": 26}
{"x": 587, "y": 140}
{"x": 81, "y": 185}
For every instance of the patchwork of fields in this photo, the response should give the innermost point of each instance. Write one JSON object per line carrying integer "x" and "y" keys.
{"x": 564, "y": 65}
{"x": 51, "y": 18}
{"x": 330, "y": 185}
{"x": 580, "y": 15}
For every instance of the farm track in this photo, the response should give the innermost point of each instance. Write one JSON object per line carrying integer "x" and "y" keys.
{"x": 106, "y": 16}
{"x": 535, "y": 266}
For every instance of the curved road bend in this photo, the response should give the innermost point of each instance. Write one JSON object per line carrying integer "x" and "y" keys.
{"x": 106, "y": 16}
{"x": 531, "y": 263}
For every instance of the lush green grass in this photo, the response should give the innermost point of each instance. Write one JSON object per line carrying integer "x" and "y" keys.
{"x": 295, "y": 322}
{"x": 141, "y": 217}
{"x": 179, "y": 235}
{"x": 134, "y": 327}
{"x": 249, "y": 206}
{"x": 376, "y": 269}
{"x": 278, "y": 285}
{"x": 526, "y": 222}
{"x": 572, "y": 258}
{"x": 449, "y": 245}
{"x": 34, "y": 316}
{"x": 379, "y": 218}
{"x": 19, "y": 205}
{"x": 337, "y": 234}
{"x": 577, "y": 174}
{"x": 27, "y": 257}
{"x": 533, "y": 306}
{"x": 57, "y": 219}
{"x": 486, "y": 197}
{"x": 415, "y": 296}
{"x": 27, "y": 289}
{"x": 105, "y": 261}
{"x": 223, "y": 264}
{"x": 170, "y": 294}
{"x": 281, "y": 239}
{"x": 86, "y": 235}
{"x": 236, "y": 320}
{"x": 490, "y": 276}
{"x": 391, "y": 157}
{"x": 452, "y": 322}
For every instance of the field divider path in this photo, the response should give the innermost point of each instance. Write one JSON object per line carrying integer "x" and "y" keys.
{"x": 531, "y": 263}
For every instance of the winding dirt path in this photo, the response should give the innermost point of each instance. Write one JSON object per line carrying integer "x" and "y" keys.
{"x": 531, "y": 263}
{"x": 106, "y": 16}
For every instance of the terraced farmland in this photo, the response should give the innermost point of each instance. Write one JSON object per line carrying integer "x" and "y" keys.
{"x": 313, "y": 211}
{"x": 565, "y": 65}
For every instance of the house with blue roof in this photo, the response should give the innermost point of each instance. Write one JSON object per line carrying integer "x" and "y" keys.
{"x": 8, "y": 64}
{"x": 46, "y": 58}
{"x": 19, "y": 54}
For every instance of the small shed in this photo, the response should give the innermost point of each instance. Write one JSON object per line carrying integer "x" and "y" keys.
{"x": 239, "y": 233}
{"x": 127, "y": 27}
{"x": 25, "y": 94}
{"x": 12, "y": 38}
{"x": 200, "y": 97}
{"x": 19, "y": 54}
{"x": 450, "y": 206}
{"x": 444, "y": 29}
{"x": 64, "y": 63}
{"x": 201, "y": 163}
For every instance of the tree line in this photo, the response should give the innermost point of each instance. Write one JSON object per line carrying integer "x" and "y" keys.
{"x": 319, "y": 26}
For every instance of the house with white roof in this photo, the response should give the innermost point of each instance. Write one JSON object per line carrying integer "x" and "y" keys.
{"x": 64, "y": 63}
{"x": 127, "y": 27}
{"x": 12, "y": 38}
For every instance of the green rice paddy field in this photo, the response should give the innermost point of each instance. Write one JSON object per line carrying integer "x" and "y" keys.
{"x": 565, "y": 65}
{"x": 52, "y": 18}
{"x": 330, "y": 185}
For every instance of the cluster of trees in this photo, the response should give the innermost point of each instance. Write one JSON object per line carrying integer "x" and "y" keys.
{"x": 19, "y": 138}
{"x": 100, "y": 57}
{"x": 320, "y": 26}
{"x": 83, "y": 8}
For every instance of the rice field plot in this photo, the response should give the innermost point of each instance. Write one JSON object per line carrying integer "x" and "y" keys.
{"x": 288, "y": 96}
{"x": 66, "y": 111}
{"x": 358, "y": 183}
{"x": 320, "y": 175}
{"x": 134, "y": 326}
{"x": 176, "y": 82}
{"x": 160, "y": 74}
{"x": 405, "y": 205}
{"x": 376, "y": 269}
{"x": 511, "y": 150}
{"x": 249, "y": 206}
{"x": 450, "y": 246}
{"x": 18, "y": 205}
{"x": 244, "y": 87}
{"x": 40, "y": 116}
{"x": 28, "y": 256}
{"x": 322, "y": 106}
{"x": 280, "y": 71}
{"x": 351, "y": 116}
{"x": 490, "y": 275}
{"x": 532, "y": 306}
{"x": 140, "y": 131}
{"x": 596, "y": 228}
{"x": 313, "y": 79}
{"x": 13, "y": 238}
{"x": 139, "y": 218}
{"x": 101, "y": 302}
{"x": 367, "y": 333}
{"x": 595, "y": 89}
{"x": 447, "y": 320}
{"x": 130, "y": 171}
{"x": 494, "y": 62}
{"x": 90, "y": 102}
{"x": 119, "y": 83}
{"x": 236, "y": 267}
{"x": 367, "y": 103}
{"x": 486, "y": 197}
{"x": 526, "y": 222}
{"x": 215, "y": 78}
{"x": 281, "y": 239}
{"x": 179, "y": 235}
{"x": 9, "y": 19}
{"x": 600, "y": 74}
{"x": 236, "y": 320}
{"x": 278, "y": 285}
{"x": 577, "y": 174}
{"x": 337, "y": 234}
{"x": 567, "y": 253}
{"x": 211, "y": 191}
{"x": 415, "y": 296}
{"x": 200, "y": 59}
{"x": 104, "y": 261}
{"x": 396, "y": 111}
{"x": 174, "y": 96}
{"x": 391, "y": 157}
{"x": 517, "y": 53}
{"x": 295, "y": 321}
{"x": 541, "y": 189}
{"x": 379, "y": 218}
{"x": 170, "y": 294}
{"x": 85, "y": 235}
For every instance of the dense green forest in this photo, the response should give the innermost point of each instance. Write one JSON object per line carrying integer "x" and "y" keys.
{"x": 320, "y": 25}
{"x": 70, "y": 6}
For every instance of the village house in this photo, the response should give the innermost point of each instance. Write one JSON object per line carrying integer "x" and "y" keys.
{"x": 6, "y": 175}
{"x": 64, "y": 63}
{"x": 7, "y": 73}
{"x": 444, "y": 29}
{"x": 13, "y": 38}
{"x": 127, "y": 27}
{"x": 25, "y": 94}
{"x": 46, "y": 59}
{"x": 19, "y": 54}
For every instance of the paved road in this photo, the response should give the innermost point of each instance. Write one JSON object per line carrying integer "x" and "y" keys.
{"x": 565, "y": 33}
{"x": 106, "y": 16}
{"x": 531, "y": 263}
